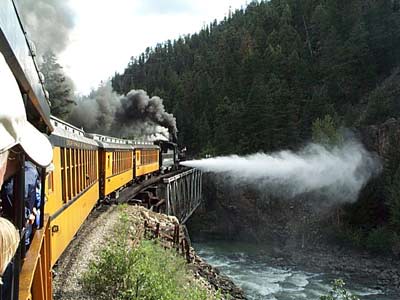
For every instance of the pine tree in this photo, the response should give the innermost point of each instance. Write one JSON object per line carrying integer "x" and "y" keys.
{"x": 58, "y": 85}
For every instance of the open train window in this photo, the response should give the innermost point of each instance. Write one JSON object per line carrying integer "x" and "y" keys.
{"x": 73, "y": 173}
{"x": 63, "y": 175}
{"x": 50, "y": 182}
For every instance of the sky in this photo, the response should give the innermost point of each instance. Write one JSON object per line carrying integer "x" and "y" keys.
{"x": 107, "y": 34}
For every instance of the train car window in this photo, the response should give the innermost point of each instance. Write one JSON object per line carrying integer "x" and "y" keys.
{"x": 90, "y": 166}
{"x": 50, "y": 182}
{"x": 73, "y": 171}
{"x": 96, "y": 159}
{"x": 93, "y": 177}
{"x": 68, "y": 171}
{"x": 78, "y": 171}
{"x": 93, "y": 167}
{"x": 118, "y": 162}
{"x": 79, "y": 177}
{"x": 77, "y": 187}
{"x": 113, "y": 171}
{"x": 63, "y": 177}
{"x": 84, "y": 169}
{"x": 115, "y": 162}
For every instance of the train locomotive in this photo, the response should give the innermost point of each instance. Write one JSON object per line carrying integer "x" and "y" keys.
{"x": 86, "y": 168}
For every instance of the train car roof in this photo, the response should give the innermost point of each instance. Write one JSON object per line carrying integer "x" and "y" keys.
{"x": 19, "y": 55}
{"x": 67, "y": 135}
{"x": 145, "y": 146}
{"x": 109, "y": 142}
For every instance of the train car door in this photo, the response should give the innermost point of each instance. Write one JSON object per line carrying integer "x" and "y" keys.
{"x": 137, "y": 162}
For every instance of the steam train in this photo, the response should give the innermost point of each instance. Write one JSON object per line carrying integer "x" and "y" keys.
{"x": 89, "y": 167}
{"x": 86, "y": 168}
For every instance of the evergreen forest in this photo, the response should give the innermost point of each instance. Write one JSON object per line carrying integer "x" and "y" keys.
{"x": 266, "y": 75}
{"x": 258, "y": 80}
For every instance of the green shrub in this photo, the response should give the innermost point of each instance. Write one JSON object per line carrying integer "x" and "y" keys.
{"x": 147, "y": 272}
{"x": 338, "y": 292}
{"x": 325, "y": 132}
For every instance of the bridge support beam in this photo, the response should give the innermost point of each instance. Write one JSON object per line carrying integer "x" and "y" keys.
{"x": 182, "y": 193}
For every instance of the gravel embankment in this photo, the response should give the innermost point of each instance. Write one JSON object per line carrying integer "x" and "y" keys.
{"x": 74, "y": 262}
{"x": 95, "y": 233}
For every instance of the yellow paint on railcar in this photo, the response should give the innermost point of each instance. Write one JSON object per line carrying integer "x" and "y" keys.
{"x": 118, "y": 170}
{"x": 66, "y": 224}
{"x": 72, "y": 190}
{"x": 115, "y": 182}
{"x": 146, "y": 161}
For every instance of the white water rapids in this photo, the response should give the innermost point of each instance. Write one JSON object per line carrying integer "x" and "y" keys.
{"x": 249, "y": 267}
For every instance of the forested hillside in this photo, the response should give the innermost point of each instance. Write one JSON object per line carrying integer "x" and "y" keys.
{"x": 257, "y": 80}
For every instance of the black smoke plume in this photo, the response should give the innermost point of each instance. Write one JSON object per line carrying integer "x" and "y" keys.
{"x": 138, "y": 107}
{"x": 135, "y": 115}
{"x": 95, "y": 112}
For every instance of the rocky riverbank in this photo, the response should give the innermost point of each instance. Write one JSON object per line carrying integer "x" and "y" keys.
{"x": 165, "y": 229}
{"x": 97, "y": 230}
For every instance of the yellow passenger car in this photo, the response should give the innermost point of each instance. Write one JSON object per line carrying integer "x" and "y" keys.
{"x": 146, "y": 160}
{"x": 72, "y": 188}
{"x": 116, "y": 164}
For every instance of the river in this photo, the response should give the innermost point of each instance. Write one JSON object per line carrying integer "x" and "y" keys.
{"x": 250, "y": 268}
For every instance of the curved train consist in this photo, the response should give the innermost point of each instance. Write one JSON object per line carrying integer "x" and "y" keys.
{"x": 86, "y": 168}
{"x": 92, "y": 167}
